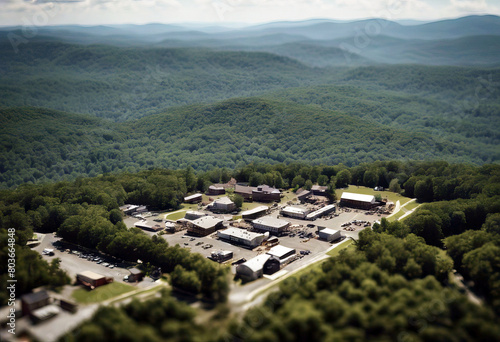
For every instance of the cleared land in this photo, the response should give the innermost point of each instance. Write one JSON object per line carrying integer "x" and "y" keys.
{"x": 101, "y": 293}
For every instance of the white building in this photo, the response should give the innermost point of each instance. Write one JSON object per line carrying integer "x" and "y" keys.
{"x": 284, "y": 254}
{"x": 254, "y": 213}
{"x": 253, "y": 268}
{"x": 321, "y": 212}
{"x": 222, "y": 204}
{"x": 271, "y": 224}
{"x": 328, "y": 234}
{"x": 295, "y": 212}
{"x": 241, "y": 237}
{"x": 349, "y": 199}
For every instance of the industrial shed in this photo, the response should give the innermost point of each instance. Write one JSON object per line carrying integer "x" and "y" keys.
{"x": 253, "y": 268}
{"x": 254, "y": 213}
{"x": 295, "y": 212}
{"x": 92, "y": 279}
{"x": 204, "y": 225}
{"x": 360, "y": 201}
{"x": 135, "y": 274}
{"x": 282, "y": 253}
{"x": 271, "y": 224}
{"x": 215, "y": 190}
{"x": 221, "y": 256}
{"x": 321, "y": 212}
{"x": 196, "y": 198}
{"x": 328, "y": 234}
{"x": 241, "y": 237}
{"x": 32, "y": 301}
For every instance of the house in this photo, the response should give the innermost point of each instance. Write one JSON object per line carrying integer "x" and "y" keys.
{"x": 204, "y": 226}
{"x": 244, "y": 191}
{"x": 359, "y": 201}
{"x": 270, "y": 224}
{"x": 282, "y": 253}
{"x": 254, "y": 213}
{"x": 223, "y": 204}
{"x": 303, "y": 194}
{"x": 92, "y": 279}
{"x": 196, "y": 198}
{"x": 241, "y": 237}
{"x": 32, "y": 301}
{"x": 321, "y": 212}
{"x": 295, "y": 212}
{"x": 135, "y": 275}
{"x": 214, "y": 190}
{"x": 328, "y": 234}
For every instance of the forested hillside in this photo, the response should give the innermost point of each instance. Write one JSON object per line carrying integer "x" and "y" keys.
{"x": 40, "y": 145}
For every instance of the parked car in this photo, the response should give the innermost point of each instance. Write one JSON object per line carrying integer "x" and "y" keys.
{"x": 105, "y": 264}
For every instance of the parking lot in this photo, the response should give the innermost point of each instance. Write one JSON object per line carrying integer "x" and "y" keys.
{"x": 73, "y": 263}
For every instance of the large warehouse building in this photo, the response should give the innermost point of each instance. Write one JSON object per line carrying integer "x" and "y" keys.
{"x": 204, "y": 225}
{"x": 360, "y": 201}
{"x": 270, "y": 224}
{"x": 328, "y": 234}
{"x": 295, "y": 212}
{"x": 321, "y": 212}
{"x": 282, "y": 253}
{"x": 241, "y": 237}
{"x": 257, "y": 267}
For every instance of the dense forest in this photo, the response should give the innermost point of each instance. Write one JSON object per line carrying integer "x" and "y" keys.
{"x": 40, "y": 145}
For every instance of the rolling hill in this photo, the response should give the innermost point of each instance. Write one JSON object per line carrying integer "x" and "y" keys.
{"x": 39, "y": 145}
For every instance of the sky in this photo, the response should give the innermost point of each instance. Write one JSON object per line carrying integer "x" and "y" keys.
{"x": 97, "y": 12}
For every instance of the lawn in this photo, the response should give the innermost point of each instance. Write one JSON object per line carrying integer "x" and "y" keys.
{"x": 288, "y": 195}
{"x": 176, "y": 216}
{"x": 100, "y": 294}
{"x": 411, "y": 206}
{"x": 391, "y": 196}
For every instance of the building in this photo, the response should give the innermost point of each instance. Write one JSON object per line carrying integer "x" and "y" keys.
{"x": 329, "y": 235}
{"x": 204, "y": 225}
{"x": 196, "y": 198}
{"x": 319, "y": 190}
{"x": 254, "y": 213}
{"x": 272, "y": 265}
{"x": 128, "y": 209}
{"x": 295, "y": 212}
{"x": 282, "y": 253}
{"x": 92, "y": 279}
{"x": 135, "y": 274}
{"x": 221, "y": 256}
{"x": 170, "y": 226}
{"x": 253, "y": 268}
{"x": 45, "y": 313}
{"x": 321, "y": 212}
{"x": 33, "y": 301}
{"x": 241, "y": 237}
{"x": 214, "y": 190}
{"x": 193, "y": 215}
{"x": 360, "y": 201}
{"x": 270, "y": 224}
{"x": 223, "y": 204}
{"x": 261, "y": 193}
{"x": 265, "y": 193}
{"x": 303, "y": 194}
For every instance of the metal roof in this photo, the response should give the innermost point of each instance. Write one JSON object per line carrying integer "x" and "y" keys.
{"x": 224, "y": 200}
{"x": 294, "y": 209}
{"x": 321, "y": 211}
{"x": 35, "y": 297}
{"x": 358, "y": 197}
{"x": 279, "y": 251}
{"x": 192, "y": 197}
{"x": 328, "y": 231}
{"x": 207, "y": 222}
{"x": 271, "y": 222}
{"x": 254, "y": 210}
{"x": 91, "y": 275}
{"x": 239, "y": 233}
{"x": 257, "y": 263}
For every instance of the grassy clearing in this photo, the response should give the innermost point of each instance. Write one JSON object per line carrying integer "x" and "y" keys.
{"x": 412, "y": 205}
{"x": 288, "y": 196}
{"x": 100, "y": 294}
{"x": 334, "y": 252}
{"x": 391, "y": 196}
{"x": 396, "y": 216}
{"x": 176, "y": 216}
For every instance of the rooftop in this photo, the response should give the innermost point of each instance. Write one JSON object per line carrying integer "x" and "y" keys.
{"x": 256, "y": 263}
{"x": 254, "y": 210}
{"x": 328, "y": 231}
{"x": 35, "y": 297}
{"x": 319, "y": 188}
{"x": 358, "y": 197}
{"x": 321, "y": 210}
{"x": 239, "y": 233}
{"x": 223, "y": 200}
{"x": 271, "y": 222}
{"x": 91, "y": 275}
{"x": 295, "y": 209}
{"x": 135, "y": 271}
{"x": 279, "y": 251}
{"x": 187, "y": 198}
{"x": 207, "y": 222}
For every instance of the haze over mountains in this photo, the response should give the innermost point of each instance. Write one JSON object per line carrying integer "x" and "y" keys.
{"x": 320, "y": 91}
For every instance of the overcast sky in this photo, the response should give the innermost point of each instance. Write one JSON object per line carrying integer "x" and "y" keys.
{"x": 92, "y": 12}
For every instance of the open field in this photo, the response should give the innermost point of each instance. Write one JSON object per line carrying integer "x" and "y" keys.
{"x": 390, "y": 196}
{"x": 102, "y": 293}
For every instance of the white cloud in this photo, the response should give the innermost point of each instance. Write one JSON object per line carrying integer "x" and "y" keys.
{"x": 143, "y": 11}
